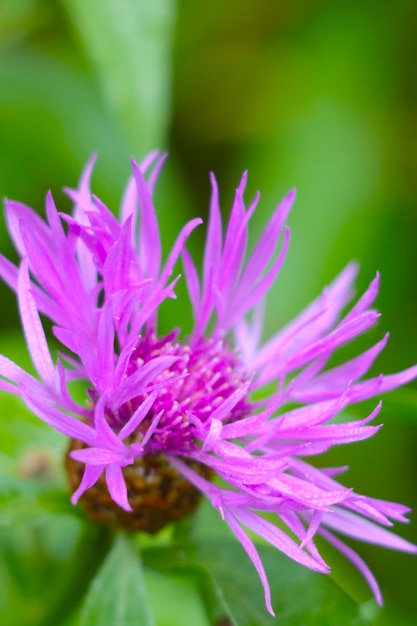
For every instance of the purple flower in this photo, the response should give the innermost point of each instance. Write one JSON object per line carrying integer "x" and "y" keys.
{"x": 219, "y": 403}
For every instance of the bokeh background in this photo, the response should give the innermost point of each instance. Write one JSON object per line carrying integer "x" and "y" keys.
{"x": 316, "y": 94}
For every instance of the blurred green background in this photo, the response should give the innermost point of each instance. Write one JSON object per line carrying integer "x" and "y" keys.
{"x": 317, "y": 94}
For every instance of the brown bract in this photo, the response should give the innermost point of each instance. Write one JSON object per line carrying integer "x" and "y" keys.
{"x": 157, "y": 492}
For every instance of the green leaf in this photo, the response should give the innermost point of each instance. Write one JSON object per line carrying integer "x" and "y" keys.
{"x": 46, "y": 565}
{"x": 233, "y": 591}
{"x": 15, "y": 16}
{"x": 178, "y": 591}
{"x": 117, "y": 594}
{"x": 129, "y": 43}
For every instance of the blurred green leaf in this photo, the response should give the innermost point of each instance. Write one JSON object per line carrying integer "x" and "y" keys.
{"x": 51, "y": 106}
{"x": 233, "y": 590}
{"x": 117, "y": 594}
{"x": 46, "y": 565}
{"x": 35, "y": 563}
{"x": 129, "y": 43}
{"x": 15, "y": 17}
{"x": 178, "y": 592}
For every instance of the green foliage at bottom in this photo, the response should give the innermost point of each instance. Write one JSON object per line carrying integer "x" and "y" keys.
{"x": 233, "y": 592}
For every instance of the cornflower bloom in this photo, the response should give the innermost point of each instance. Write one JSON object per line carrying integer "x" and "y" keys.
{"x": 166, "y": 415}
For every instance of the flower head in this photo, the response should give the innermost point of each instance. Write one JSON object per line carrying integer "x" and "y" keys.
{"x": 166, "y": 414}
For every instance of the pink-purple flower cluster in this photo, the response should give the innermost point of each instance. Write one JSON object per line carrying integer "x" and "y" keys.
{"x": 251, "y": 411}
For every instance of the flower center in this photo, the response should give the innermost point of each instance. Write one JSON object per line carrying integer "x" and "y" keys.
{"x": 188, "y": 391}
{"x": 198, "y": 381}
